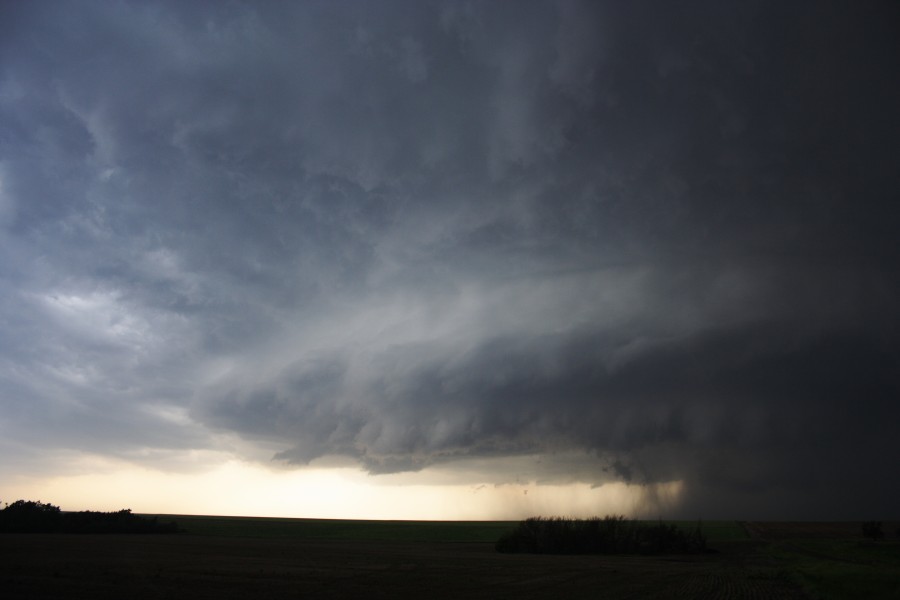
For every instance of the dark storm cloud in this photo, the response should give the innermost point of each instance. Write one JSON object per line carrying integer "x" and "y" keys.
{"x": 660, "y": 237}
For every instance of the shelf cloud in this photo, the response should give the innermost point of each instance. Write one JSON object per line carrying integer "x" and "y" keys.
{"x": 642, "y": 243}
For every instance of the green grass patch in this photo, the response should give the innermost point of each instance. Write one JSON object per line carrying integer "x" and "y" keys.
{"x": 834, "y": 569}
{"x": 715, "y": 531}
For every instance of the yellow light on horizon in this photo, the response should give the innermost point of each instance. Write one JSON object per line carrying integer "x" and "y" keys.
{"x": 245, "y": 489}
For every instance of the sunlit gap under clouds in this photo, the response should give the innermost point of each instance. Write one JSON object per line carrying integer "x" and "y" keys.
{"x": 445, "y": 259}
{"x": 241, "y": 488}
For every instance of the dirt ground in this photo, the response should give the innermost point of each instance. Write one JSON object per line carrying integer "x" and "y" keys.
{"x": 196, "y": 567}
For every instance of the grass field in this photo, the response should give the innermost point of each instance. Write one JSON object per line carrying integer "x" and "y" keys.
{"x": 833, "y": 561}
{"x": 234, "y": 557}
{"x": 715, "y": 531}
{"x": 408, "y": 531}
{"x": 336, "y": 529}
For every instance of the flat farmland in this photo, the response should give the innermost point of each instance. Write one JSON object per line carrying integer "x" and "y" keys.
{"x": 341, "y": 529}
{"x": 190, "y": 566}
{"x": 290, "y": 558}
{"x": 832, "y": 560}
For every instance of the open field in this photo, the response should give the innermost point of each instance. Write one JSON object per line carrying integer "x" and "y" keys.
{"x": 338, "y": 529}
{"x": 833, "y": 560}
{"x": 240, "y": 558}
{"x": 410, "y": 531}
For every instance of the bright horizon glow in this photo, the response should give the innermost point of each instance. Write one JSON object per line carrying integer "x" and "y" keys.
{"x": 237, "y": 488}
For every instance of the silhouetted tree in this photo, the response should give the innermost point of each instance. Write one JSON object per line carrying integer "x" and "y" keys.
{"x": 25, "y": 516}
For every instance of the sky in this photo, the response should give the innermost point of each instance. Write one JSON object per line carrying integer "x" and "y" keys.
{"x": 451, "y": 260}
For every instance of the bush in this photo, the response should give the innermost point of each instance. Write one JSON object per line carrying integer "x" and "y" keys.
{"x": 612, "y": 534}
{"x": 122, "y": 521}
{"x": 872, "y": 529}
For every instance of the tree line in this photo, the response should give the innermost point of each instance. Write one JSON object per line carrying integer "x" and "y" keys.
{"x": 27, "y": 516}
{"x": 612, "y": 534}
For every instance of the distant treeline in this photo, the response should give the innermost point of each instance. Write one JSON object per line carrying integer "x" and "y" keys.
{"x": 25, "y": 516}
{"x": 608, "y": 535}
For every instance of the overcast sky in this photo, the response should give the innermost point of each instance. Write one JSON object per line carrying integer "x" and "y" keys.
{"x": 639, "y": 242}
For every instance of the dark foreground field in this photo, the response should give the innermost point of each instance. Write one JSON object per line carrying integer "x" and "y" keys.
{"x": 254, "y": 558}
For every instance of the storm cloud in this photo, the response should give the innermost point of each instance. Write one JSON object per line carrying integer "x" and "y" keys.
{"x": 642, "y": 241}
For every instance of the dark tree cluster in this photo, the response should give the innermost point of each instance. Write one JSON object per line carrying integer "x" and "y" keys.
{"x": 26, "y": 516}
{"x": 608, "y": 535}
{"x": 873, "y": 530}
